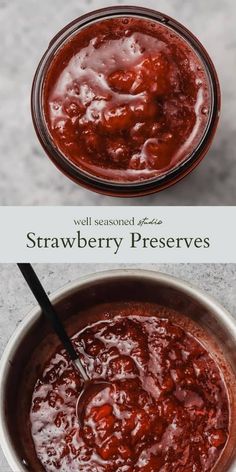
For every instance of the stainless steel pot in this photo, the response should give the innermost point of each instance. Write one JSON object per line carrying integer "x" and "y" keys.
{"x": 122, "y": 285}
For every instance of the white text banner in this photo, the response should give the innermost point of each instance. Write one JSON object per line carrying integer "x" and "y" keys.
{"x": 118, "y": 234}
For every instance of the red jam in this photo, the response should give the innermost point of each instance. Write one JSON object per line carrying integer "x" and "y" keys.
{"x": 166, "y": 408}
{"x": 126, "y": 99}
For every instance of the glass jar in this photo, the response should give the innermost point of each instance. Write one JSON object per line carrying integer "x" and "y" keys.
{"x": 124, "y": 188}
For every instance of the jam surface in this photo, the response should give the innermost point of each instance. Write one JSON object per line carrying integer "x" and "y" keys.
{"x": 165, "y": 407}
{"x": 126, "y": 99}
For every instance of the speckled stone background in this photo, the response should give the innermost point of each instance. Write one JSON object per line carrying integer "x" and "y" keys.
{"x": 27, "y": 177}
{"x": 16, "y": 300}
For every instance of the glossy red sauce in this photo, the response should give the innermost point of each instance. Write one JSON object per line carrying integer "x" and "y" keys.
{"x": 166, "y": 408}
{"x": 126, "y": 99}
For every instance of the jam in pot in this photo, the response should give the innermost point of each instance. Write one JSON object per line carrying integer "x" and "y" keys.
{"x": 125, "y": 100}
{"x": 165, "y": 408}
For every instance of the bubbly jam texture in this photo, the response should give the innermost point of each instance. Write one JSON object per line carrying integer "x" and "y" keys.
{"x": 126, "y": 99}
{"x": 166, "y": 407}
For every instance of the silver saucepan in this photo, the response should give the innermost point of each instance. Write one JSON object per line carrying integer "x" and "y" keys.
{"x": 28, "y": 345}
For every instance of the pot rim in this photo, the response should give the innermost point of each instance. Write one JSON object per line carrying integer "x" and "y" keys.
{"x": 68, "y": 289}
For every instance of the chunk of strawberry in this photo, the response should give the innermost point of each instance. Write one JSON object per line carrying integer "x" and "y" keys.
{"x": 159, "y": 153}
{"x": 110, "y": 448}
{"x": 61, "y": 420}
{"x": 118, "y": 151}
{"x": 142, "y": 426}
{"x": 217, "y": 438}
{"x": 128, "y": 423}
{"x": 54, "y": 399}
{"x": 105, "y": 427}
{"x": 161, "y": 75}
{"x": 139, "y": 133}
{"x": 137, "y": 162}
{"x": 153, "y": 75}
{"x": 122, "y": 365}
{"x": 93, "y": 142}
{"x": 97, "y": 413}
{"x": 104, "y": 420}
{"x": 73, "y": 108}
{"x": 122, "y": 80}
{"x": 118, "y": 119}
{"x": 69, "y": 378}
{"x": 63, "y": 128}
{"x": 37, "y": 402}
{"x": 143, "y": 77}
{"x": 88, "y": 434}
{"x": 96, "y": 348}
{"x": 145, "y": 109}
{"x": 70, "y": 436}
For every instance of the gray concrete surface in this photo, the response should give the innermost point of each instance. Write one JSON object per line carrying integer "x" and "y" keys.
{"x": 16, "y": 300}
{"x": 27, "y": 177}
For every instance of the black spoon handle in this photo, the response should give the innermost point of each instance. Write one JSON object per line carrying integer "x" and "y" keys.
{"x": 47, "y": 308}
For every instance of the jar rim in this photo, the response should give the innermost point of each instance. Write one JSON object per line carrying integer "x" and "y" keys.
{"x": 86, "y": 179}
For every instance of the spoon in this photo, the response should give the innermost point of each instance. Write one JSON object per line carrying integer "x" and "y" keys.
{"x": 90, "y": 388}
